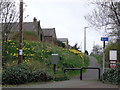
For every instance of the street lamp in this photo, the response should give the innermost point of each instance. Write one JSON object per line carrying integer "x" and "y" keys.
{"x": 85, "y": 42}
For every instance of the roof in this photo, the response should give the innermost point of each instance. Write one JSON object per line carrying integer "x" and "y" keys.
{"x": 48, "y": 31}
{"x": 26, "y": 26}
{"x": 63, "y": 39}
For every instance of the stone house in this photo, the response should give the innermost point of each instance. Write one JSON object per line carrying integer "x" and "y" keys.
{"x": 65, "y": 41}
{"x": 49, "y": 35}
{"x": 30, "y": 26}
{"x": 45, "y": 34}
{"x": 37, "y": 28}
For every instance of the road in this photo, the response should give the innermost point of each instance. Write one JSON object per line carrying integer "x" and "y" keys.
{"x": 89, "y": 80}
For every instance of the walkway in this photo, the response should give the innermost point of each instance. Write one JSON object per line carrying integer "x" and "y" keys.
{"x": 92, "y": 74}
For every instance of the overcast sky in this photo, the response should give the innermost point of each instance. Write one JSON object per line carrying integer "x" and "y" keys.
{"x": 67, "y": 17}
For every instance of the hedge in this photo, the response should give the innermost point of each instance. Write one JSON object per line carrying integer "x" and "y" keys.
{"x": 22, "y": 73}
{"x": 112, "y": 75}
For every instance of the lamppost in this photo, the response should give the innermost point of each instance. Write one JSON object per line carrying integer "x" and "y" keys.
{"x": 85, "y": 42}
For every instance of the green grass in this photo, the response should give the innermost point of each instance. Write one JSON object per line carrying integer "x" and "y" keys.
{"x": 99, "y": 59}
{"x": 38, "y": 55}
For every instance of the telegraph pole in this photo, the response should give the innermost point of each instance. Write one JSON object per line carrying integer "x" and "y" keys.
{"x": 20, "y": 52}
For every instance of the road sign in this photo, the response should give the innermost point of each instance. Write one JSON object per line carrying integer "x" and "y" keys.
{"x": 55, "y": 59}
{"x": 104, "y": 38}
{"x": 113, "y": 65}
{"x": 113, "y": 54}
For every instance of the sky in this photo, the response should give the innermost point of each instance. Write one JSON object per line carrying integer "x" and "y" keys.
{"x": 67, "y": 17}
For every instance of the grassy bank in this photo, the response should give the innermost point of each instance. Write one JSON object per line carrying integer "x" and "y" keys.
{"x": 37, "y": 58}
{"x": 99, "y": 59}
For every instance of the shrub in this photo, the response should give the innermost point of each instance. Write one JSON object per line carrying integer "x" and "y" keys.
{"x": 112, "y": 76}
{"x": 17, "y": 74}
{"x": 22, "y": 73}
{"x": 40, "y": 76}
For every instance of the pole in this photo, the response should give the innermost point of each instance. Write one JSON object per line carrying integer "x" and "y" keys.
{"x": 54, "y": 67}
{"x": 20, "y": 32}
{"x": 84, "y": 42}
{"x": 103, "y": 60}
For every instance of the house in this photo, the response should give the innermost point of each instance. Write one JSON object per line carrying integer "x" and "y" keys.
{"x": 37, "y": 28}
{"x": 45, "y": 34}
{"x": 65, "y": 41}
{"x": 49, "y": 35}
{"x": 30, "y": 26}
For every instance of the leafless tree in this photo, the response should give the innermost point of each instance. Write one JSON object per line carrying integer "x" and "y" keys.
{"x": 8, "y": 16}
{"x": 97, "y": 50}
{"x": 106, "y": 14}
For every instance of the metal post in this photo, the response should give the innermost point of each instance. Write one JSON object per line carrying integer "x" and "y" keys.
{"x": 20, "y": 32}
{"x": 85, "y": 39}
{"x": 54, "y": 67}
{"x": 103, "y": 60}
{"x": 84, "y": 42}
{"x": 99, "y": 73}
{"x": 81, "y": 74}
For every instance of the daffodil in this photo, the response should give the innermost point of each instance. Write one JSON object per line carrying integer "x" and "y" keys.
{"x": 32, "y": 55}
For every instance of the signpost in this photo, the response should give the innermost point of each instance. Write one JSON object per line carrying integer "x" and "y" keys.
{"x": 113, "y": 58}
{"x": 104, "y": 39}
{"x": 54, "y": 61}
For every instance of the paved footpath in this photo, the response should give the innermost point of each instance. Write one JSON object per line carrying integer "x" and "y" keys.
{"x": 89, "y": 80}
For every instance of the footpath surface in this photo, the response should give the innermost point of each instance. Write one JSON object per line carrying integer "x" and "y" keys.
{"x": 89, "y": 80}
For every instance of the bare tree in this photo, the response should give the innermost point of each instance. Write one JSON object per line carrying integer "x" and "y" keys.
{"x": 97, "y": 50}
{"x": 106, "y": 14}
{"x": 8, "y": 16}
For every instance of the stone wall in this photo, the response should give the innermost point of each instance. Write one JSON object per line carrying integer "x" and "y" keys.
{"x": 48, "y": 39}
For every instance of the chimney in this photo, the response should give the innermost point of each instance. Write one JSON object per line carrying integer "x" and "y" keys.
{"x": 34, "y": 19}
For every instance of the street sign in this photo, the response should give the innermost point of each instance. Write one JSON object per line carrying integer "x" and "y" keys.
{"x": 55, "y": 59}
{"x": 113, "y": 65}
{"x": 113, "y": 54}
{"x": 113, "y": 58}
{"x": 104, "y": 38}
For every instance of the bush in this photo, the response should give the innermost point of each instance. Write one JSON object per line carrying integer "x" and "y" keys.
{"x": 40, "y": 76}
{"x": 17, "y": 74}
{"x": 112, "y": 76}
{"x": 22, "y": 73}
